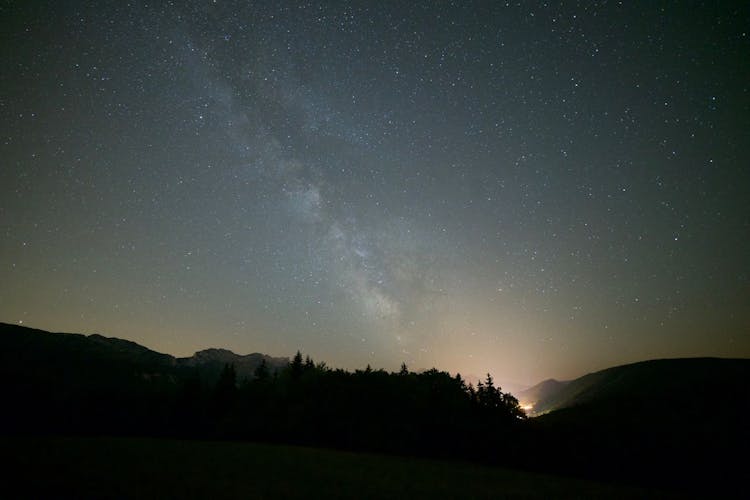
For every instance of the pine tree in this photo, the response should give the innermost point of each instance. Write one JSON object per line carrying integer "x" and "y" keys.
{"x": 296, "y": 366}
{"x": 309, "y": 364}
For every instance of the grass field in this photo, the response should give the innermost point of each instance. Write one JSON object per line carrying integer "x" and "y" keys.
{"x": 151, "y": 468}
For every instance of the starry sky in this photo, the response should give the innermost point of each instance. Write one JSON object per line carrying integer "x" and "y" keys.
{"x": 531, "y": 189}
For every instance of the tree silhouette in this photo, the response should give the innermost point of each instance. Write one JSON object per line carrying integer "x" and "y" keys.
{"x": 309, "y": 364}
{"x": 261, "y": 372}
{"x": 296, "y": 367}
{"x": 489, "y": 396}
{"x": 225, "y": 390}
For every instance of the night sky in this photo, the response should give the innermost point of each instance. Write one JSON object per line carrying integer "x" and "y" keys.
{"x": 535, "y": 190}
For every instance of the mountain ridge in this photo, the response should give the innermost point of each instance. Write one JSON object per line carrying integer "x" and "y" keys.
{"x": 26, "y": 343}
{"x": 654, "y": 378}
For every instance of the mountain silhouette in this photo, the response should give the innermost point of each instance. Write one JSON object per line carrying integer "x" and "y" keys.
{"x": 47, "y": 351}
{"x": 669, "y": 421}
{"x": 664, "y": 384}
{"x": 69, "y": 382}
{"x": 212, "y": 361}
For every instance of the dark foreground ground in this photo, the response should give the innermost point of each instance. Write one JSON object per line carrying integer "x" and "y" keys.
{"x": 157, "y": 468}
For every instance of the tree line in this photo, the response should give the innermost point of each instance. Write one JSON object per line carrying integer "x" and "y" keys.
{"x": 70, "y": 385}
{"x": 429, "y": 413}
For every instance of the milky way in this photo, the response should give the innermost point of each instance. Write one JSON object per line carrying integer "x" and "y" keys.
{"x": 529, "y": 189}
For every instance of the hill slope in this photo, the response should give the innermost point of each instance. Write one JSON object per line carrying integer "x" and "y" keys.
{"x": 670, "y": 421}
{"x": 656, "y": 384}
{"x": 531, "y": 397}
{"x": 77, "y": 383}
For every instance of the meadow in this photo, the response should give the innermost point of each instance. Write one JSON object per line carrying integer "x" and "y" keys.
{"x": 100, "y": 467}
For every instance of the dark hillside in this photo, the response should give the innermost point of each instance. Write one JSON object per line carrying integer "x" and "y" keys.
{"x": 657, "y": 384}
{"x": 59, "y": 381}
{"x": 660, "y": 421}
{"x": 72, "y": 382}
{"x": 653, "y": 423}
{"x": 541, "y": 392}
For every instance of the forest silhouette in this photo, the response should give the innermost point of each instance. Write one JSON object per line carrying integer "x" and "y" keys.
{"x": 307, "y": 403}
{"x": 651, "y": 423}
